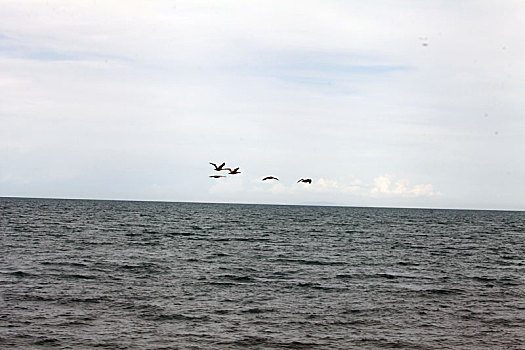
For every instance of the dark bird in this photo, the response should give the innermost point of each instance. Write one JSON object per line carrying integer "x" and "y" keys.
{"x": 270, "y": 178}
{"x": 308, "y": 181}
{"x": 220, "y": 167}
{"x": 217, "y": 176}
{"x": 234, "y": 171}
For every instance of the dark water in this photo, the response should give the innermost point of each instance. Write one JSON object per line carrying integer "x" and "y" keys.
{"x": 138, "y": 275}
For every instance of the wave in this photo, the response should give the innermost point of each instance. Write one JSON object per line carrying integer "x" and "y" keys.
{"x": 311, "y": 262}
{"x": 77, "y": 276}
{"x": 257, "y": 311}
{"x": 243, "y": 279}
{"x": 20, "y": 274}
{"x": 270, "y": 343}
{"x": 182, "y": 233}
{"x": 64, "y": 263}
{"x": 47, "y": 341}
{"x": 382, "y": 275}
{"x": 240, "y": 239}
{"x": 441, "y": 291}
{"x": 408, "y": 263}
{"x": 501, "y": 281}
{"x": 142, "y": 269}
{"x": 389, "y": 343}
{"x": 174, "y": 317}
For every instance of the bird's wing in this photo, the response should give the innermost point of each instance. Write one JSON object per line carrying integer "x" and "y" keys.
{"x": 215, "y": 165}
{"x": 223, "y": 164}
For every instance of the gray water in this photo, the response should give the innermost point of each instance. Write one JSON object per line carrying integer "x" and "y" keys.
{"x": 78, "y": 274}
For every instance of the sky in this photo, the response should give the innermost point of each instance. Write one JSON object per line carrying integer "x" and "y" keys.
{"x": 381, "y": 103}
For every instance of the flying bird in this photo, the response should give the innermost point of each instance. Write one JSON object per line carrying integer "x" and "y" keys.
{"x": 220, "y": 167}
{"x": 234, "y": 171}
{"x": 270, "y": 178}
{"x": 308, "y": 181}
{"x": 217, "y": 176}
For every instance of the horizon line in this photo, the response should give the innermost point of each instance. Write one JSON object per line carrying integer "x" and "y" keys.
{"x": 306, "y": 204}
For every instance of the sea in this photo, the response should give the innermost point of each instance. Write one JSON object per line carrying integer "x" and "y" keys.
{"x": 89, "y": 274}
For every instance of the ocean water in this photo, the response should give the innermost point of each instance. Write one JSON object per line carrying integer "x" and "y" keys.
{"x": 79, "y": 274}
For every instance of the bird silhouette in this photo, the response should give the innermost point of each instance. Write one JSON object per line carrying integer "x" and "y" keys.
{"x": 220, "y": 167}
{"x": 308, "y": 181}
{"x": 234, "y": 171}
{"x": 270, "y": 178}
{"x": 217, "y": 176}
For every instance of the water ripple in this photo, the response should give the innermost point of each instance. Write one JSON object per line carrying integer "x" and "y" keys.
{"x": 139, "y": 275}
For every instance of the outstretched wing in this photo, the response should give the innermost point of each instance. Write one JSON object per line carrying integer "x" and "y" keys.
{"x": 270, "y": 178}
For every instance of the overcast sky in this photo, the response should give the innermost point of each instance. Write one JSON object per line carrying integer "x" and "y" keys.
{"x": 381, "y": 103}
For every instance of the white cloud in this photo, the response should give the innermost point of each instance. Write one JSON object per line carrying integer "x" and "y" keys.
{"x": 326, "y": 183}
{"x": 383, "y": 186}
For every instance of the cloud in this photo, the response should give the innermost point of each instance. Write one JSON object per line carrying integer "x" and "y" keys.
{"x": 227, "y": 185}
{"x": 342, "y": 190}
{"x": 383, "y": 186}
{"x": 342, "y": 85}
{"x": 326, "y": 184}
